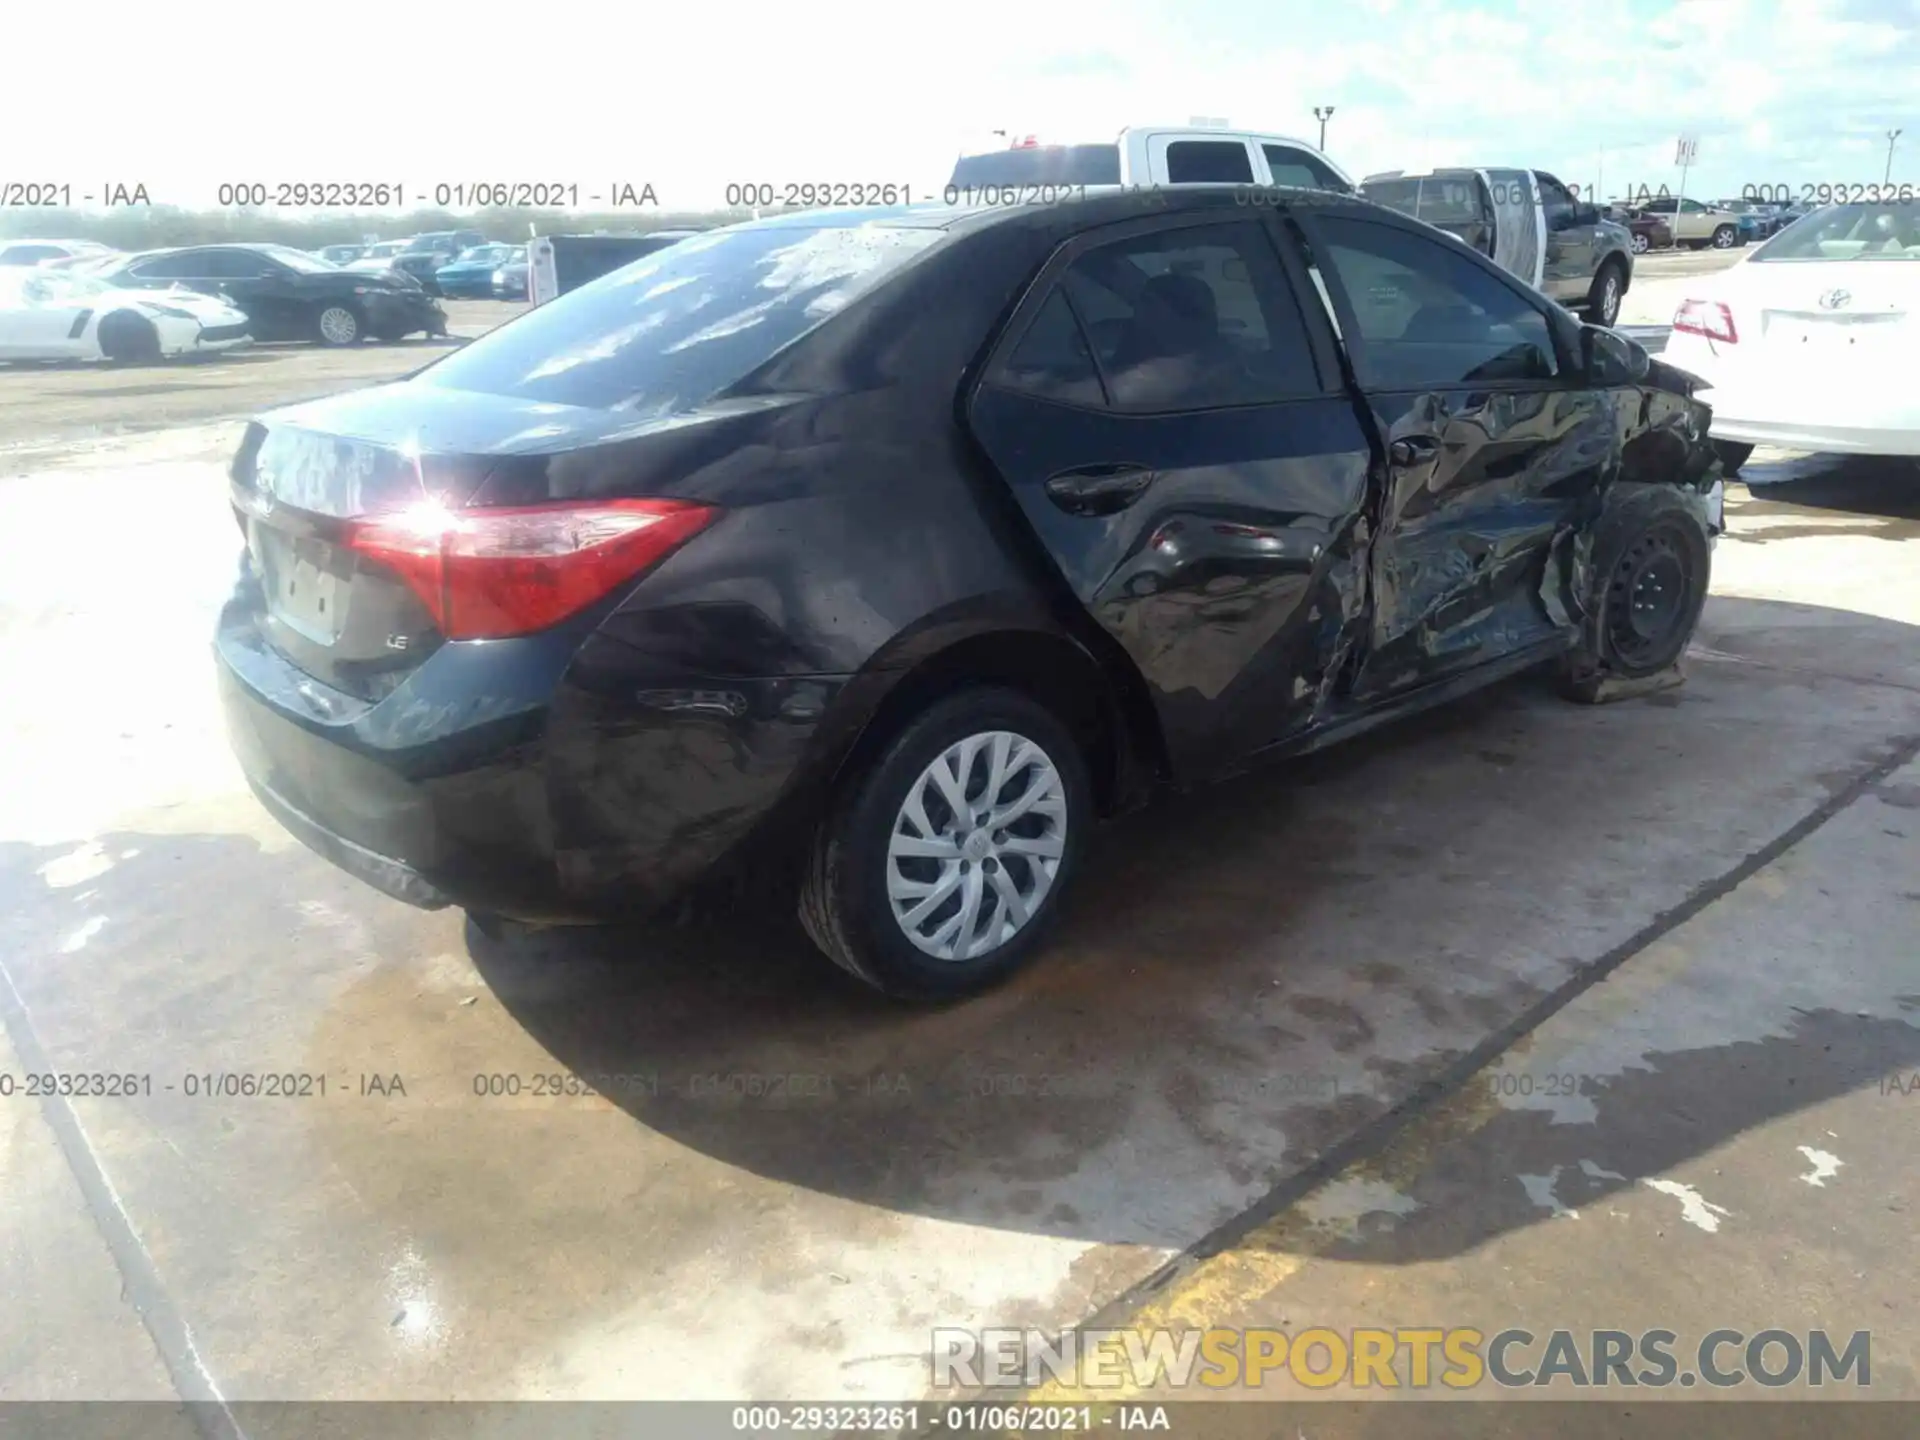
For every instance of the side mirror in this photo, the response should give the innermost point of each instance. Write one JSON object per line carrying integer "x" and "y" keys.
{"x": 1610, "y": 358}
{"x": 1587, "y": 214}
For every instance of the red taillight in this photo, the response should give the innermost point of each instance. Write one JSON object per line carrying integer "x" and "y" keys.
{"x": 1709, "y": 318}
{"x": 489, "y": 574}
{"x": 1026, "y": 142}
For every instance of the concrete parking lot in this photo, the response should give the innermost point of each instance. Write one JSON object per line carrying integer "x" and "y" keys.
{"x": 1258, "y": 1082}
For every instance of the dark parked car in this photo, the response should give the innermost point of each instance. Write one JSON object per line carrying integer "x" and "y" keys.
{"x": 425, "y": 254}
{"x": 510, "y": 280}
{"x": 1648, "y": 232}
{"x": 288, "y": 294}
{"x": 471, "y": 275}
{"x": 882, "y": 556}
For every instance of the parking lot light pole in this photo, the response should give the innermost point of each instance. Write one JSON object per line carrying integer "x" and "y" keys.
{"x": 1323, "y": 113}
{"x": 1892, "y": 135}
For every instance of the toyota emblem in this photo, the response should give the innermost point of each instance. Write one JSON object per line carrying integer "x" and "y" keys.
{"x": 1836, "y": 299}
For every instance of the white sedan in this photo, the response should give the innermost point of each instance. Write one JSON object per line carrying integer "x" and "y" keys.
{"x": 1812, "y": 342}
{"x": 62, "y": 315}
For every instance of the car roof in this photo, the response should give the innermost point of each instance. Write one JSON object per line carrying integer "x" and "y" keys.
{"x": 1115, "y": 137}
{"x": 1101, "y": 205}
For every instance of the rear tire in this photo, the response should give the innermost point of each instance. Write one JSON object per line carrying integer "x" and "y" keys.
{"x": 1733, "y": 454}
{"x": 924, "y": 901}
{"x": 1652, "y": 561}
{"x": 127, "y": 338}
{"x": 338, "y": 325}
{"x": 1603, "y": 300}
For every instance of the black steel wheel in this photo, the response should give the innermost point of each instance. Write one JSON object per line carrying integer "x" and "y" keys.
{"x": 1652, "y": 600}
{"x": 1652, "y": 561}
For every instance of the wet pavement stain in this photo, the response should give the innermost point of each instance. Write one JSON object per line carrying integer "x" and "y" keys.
{"x": 1648, "y": 1121}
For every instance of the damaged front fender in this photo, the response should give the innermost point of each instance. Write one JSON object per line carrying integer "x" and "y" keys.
{"x": 1661, "y": 448}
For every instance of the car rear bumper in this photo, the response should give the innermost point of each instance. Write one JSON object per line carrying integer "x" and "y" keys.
{"x": 384, "y": 873}
{"x": 1819, "y": 436}
{"x": 555, "y": 779}
{"x": 1800, "y": 405}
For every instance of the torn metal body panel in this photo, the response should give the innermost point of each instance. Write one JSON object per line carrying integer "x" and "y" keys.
{"x": 1477, "y": 487}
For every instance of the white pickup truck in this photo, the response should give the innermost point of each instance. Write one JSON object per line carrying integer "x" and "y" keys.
{"x": 1143, "y": 155}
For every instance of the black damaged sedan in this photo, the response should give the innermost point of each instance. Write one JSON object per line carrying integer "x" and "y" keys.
{"x": 288, "y": 294}
{"x": 868, "y": 559}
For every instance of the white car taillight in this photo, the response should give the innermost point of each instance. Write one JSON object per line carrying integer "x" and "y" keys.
{"x": 1707, "y": 318}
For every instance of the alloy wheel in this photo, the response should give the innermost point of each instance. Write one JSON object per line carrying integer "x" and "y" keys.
{"x": 338, "y": 325}
{"x": 976, "y": 845}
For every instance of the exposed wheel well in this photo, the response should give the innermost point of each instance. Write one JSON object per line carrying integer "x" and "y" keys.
{"x": 1119, "y": 738}
{"x": 127, "y": 335}
{"x": 1619, "y": 262}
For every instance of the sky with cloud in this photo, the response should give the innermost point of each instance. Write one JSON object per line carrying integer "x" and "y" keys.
{"x": 690, "y": 97}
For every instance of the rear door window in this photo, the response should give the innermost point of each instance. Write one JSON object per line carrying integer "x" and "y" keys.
{"x": 678, "y": 326}
{"x": 169, "y": 267}
{"x": 1193, "y": 318}
{"x": 1052, "y": 360}
{"x": 1427, "y": 316}
{"x": 1209, "y": 162}
{"x": 233, "y": 265}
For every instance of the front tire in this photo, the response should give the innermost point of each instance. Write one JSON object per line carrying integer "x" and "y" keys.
{"x": 1603, "y": 300}
{"x": 1724, "y": 236}
{"x": 127, "y": 338}
{"x": 938, "y": 872}
{"x": 338, "y": 325}
{"x": 1652, "y": 561}
{"x": 1641, "y": 244}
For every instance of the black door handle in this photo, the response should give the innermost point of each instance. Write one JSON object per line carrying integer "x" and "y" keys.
{"x": 1413, "y": 450}
{"x": 1099, "y": 489}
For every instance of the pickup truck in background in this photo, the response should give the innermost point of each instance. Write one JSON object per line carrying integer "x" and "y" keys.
{"x": 1528, "y": 223}
{"x": 1144, "y": 155}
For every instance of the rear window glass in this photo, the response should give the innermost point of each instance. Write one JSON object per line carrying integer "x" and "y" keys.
{"x": 1209, "y": 162}
{"x": 1849, "y": 232}
{"x": 678, "y": 326}
{"x": 1040, "y": 165}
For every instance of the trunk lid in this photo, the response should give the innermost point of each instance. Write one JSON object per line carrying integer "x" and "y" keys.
{"x": 1827, "y": 326}
{"x": 305, "y": 476}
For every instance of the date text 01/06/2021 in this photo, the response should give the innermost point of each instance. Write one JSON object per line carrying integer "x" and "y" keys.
{"x": 465, "y": 194}
{"x": 861, "y": 194}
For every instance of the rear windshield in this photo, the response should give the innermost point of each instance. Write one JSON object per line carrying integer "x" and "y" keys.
{"x": 1040, "y": 165}
{"x": 1849, "y": 232}
{"x": 675, "y": 328}
{"x": 1438, "y": 200}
